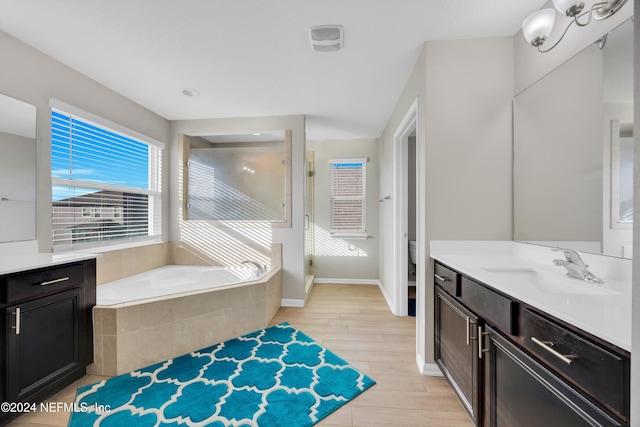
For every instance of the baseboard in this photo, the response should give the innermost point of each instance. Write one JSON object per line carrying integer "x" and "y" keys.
{"x": 308, "y": 284}
{"x": 428, "y": 369}
{"x": 375, "y": 282}
{"x": 388, "y": 299}
{"x": 289, "y": 302}
{"x": 431, "y": 370}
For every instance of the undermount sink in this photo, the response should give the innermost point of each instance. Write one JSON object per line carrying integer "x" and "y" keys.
{"x": 549, "y": 283}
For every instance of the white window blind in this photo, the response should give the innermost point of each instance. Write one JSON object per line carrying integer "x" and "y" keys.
{"x": 105, "y": 184}
{"x": 348, "y": 198}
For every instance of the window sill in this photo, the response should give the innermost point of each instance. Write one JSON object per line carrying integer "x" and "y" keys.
{"x": 99, "y": 249}
{"x": 350, "y": 236}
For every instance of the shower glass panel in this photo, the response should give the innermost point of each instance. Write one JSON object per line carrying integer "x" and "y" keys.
{"x": 237, "y": 177}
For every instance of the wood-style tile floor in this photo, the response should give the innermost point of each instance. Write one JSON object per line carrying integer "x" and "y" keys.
{"x": 354, "y": 322}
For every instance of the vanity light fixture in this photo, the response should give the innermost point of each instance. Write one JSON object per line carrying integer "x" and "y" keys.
{"x": 537, "y": 27}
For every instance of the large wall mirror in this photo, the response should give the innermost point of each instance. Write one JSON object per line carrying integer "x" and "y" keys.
{"x": 238, "y": 177}
{"x": 17, "y": 170}
{"x": 573, "y": 148}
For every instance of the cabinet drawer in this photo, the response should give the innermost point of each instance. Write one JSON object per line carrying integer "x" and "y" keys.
{"x": 602, "y": 373}
{"x": 490, "y": 305}
{"x": 448, "y": 279}
{"x": 39, "y": 282}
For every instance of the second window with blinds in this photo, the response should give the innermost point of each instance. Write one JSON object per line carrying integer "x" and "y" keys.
{"x": 348, "y": 198}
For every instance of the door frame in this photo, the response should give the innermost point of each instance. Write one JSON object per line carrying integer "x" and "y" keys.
{"x": 407, "y": 127}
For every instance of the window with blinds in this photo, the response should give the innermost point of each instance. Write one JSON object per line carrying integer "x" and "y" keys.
{"x": 105, "y": 184}
{"x": 348, "y": 198}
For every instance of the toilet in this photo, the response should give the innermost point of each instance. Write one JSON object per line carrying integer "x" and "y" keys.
{"x": 411, "y": 308}
{"x": 412, "y": 251}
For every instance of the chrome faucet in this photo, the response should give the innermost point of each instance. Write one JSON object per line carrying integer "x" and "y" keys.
{"x": 260, "y": 269}
{"x": 575, "y": 266}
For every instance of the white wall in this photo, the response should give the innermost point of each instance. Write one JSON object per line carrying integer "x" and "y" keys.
{"x": 251, "y": 239}
{"x": 464, "y": 156}
{"x": 557, "y": 156}
{"x": 413, "y": 92}
{"x": 469, "y": 139}
{"x": 31, "y": 76}
{"x": 345, "y": 258}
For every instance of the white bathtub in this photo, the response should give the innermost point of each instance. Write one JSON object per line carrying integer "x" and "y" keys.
{"x": 173, "y": 310}
{"x": 171, "y": 280}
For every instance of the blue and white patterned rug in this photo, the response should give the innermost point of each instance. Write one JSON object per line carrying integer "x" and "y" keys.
{"x": 273, "y": 377}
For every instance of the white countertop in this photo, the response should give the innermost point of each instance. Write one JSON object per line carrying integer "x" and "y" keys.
{"x": 30, "y": 261}
{"x": 526, "y": 272}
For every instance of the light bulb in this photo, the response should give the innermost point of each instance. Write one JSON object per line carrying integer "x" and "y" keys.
{"x": 537, "y": 27}
{"x": 568, "y": 7}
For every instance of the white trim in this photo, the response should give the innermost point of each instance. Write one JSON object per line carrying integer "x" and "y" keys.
{"x": 428, "y": 369}
{"x": 363, "y": 160}
{"x": 290, "y": 302}
{"x": 309, "y": 281}
{"x": 336, "y": 178}
{"x": 375, "y": 282}
{"x": 431, "y": 370}
{"x": 105, "y": 246}
{"x": 75, "y": 111}
{"x": 400, "y": 221}
{"x": 389, "y": 301}
{"x": 351, "y": 236}
{"x": 614, "y": 209}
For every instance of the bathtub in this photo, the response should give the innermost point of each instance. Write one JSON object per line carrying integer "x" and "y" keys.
{"x": 170, "y": 281}
{"x": 173, "y": 310}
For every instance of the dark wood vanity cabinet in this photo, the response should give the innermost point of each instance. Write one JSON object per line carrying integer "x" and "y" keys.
{"x": 47, "y": 330}
{"x": 457, "y": 350}
{"x": 495, "y": 352}
{"x": 519, "y": 391}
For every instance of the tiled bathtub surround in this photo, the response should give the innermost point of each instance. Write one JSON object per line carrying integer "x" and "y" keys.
{"x": 116, "y": 264}
{"x": 131, "y": 337}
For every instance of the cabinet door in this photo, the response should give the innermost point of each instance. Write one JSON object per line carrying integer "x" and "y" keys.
{"x": 521, "y": 392}
{"x": 42, "y": 341}
{"x": 457, "y": 350}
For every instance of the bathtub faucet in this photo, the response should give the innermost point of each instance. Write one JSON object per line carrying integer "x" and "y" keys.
{"x": 260, "y": 269}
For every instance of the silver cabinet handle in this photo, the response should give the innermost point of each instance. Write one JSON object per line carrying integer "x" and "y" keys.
{"x": 468, "y": 333}
{"x": 18, "y": 316}
{"x": 51, "y": 282}
{"x": 469, "y": 336}
{"x": 548, "y": 345}
{"x": 481, "y": 348}
{"x": 440, "y": 278}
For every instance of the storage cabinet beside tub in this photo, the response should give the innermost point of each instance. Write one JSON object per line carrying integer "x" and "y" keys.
{"x": 47, "y": 331}
{"x": 512, "y": 364}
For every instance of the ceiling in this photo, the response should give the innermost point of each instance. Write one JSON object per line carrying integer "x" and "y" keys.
{"x": 253, "y": 57}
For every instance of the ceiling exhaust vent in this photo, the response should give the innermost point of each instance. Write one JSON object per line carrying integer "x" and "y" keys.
{"x": 326, "y": 38}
